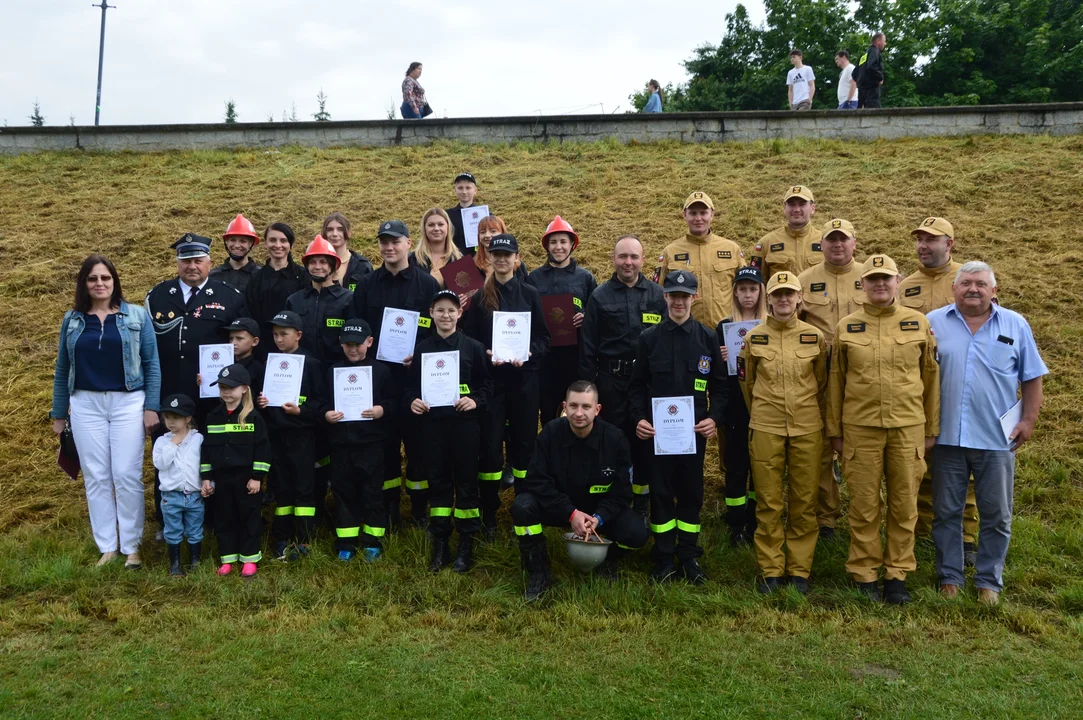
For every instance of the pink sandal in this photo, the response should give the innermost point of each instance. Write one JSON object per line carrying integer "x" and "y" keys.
{"x": 225, "y": 569}
{"x": 249, "y": 570}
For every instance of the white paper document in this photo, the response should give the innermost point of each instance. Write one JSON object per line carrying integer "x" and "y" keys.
{"x": 397, "y": 335}
{"x": 735, "y": 341}
{"x": 440, "y": 378}
{"x": 674, "y": 423}
{"x": 282, "y": 380}
{"x": 472, "y": 216}
{"x": 353, "y": 392}
{"x": 511, "y": 336}
{"x": 212, "y": 358}
{"x": 1010, "y": 419}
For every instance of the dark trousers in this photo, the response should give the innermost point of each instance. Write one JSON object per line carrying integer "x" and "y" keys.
{"x": 452, "y": 459}
{"x": 676, "y": 501}
{"x": 291, "y": 480}
{"x": 868, "y": 97}
{"x": 559, "y": 369}
{"x": 737, "y": 468}
{"x": 357, "y": 473}
{"x": 238, "y": 519}
{"x": 613, "y": 397}
{"x": 321, "y": 477}
{"x": 626, "y": 529}
{"x": 403, "y": 432}
{"x": 513, "y": 409}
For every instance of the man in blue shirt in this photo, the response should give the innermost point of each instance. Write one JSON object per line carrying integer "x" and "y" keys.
{"x": 986, "y": 353}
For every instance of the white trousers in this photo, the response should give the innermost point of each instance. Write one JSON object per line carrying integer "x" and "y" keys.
{"x": 108, "y": 431}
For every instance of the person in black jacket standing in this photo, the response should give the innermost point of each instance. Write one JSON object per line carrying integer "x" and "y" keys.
{"x": 353, "y": 266}
{"x": 323, "y": 306}
{"x": 678, "y": 358}
{"x": 870, "y": 73}
{"x": 561, "y": 276}
{"x": 578, "y": 475}
{"x": 239, "y": 238}
{"x": 269, "y": 288}
{"x": 466, "y": 189}
{"x": 452, "y": 432}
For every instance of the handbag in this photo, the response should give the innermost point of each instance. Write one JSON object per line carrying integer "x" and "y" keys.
{"x": 426, "y": 110}
{"x": 68, "y": 455}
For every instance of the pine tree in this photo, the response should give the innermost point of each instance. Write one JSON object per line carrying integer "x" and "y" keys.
{"x": 37, "y": 119}
{"x": 293, "y": 112}
{"x": 322, "y": 115}
{"x": 231, "y": 111}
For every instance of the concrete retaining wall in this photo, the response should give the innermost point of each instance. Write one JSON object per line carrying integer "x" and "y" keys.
{"x": 1052, "y": 118}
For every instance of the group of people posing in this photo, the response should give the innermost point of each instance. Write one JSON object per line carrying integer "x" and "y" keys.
{"x": 836, "y": 361}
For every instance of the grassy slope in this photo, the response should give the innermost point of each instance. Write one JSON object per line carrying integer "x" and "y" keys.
{"x": 466, "y": 647}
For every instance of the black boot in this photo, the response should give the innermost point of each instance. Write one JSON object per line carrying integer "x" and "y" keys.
{"x": 464, "y": 558}
{"x": 539, "y": 574}
{"x": 641, "y": 506}
{"x": 175, "y": 568}
{"x": 195, "y": 550}
{"x": 441, "y": 553}
{"x": 488, "y": 524}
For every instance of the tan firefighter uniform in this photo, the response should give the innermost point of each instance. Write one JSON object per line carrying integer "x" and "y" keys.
{"x": 883, "y": 401}
{"x": 714, "y": 261}
{"x": 830, "y": 293}
{"x": 785, "y": 249}
{"x": 925, "y": 291}
{"x": 783, "y": 374}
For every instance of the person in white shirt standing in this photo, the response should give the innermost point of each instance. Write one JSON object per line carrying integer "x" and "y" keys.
{"x": 847, "y": 86}
{"x": 176, "y": 456}
{"x": 801, "y": 82}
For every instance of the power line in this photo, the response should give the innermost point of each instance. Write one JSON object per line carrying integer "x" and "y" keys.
{"x": 101, "y": 59}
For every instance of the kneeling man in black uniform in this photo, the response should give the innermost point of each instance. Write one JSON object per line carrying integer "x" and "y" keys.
{"x": 578, "y": 476}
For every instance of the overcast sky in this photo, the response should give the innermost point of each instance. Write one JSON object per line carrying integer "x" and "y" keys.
{"x": 178, "y": 61}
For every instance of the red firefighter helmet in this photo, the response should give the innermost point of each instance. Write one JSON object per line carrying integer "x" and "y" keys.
{"x": 241, "y": 226}
{"x": 559, "y": 225}
{"x": 319, "y": 246}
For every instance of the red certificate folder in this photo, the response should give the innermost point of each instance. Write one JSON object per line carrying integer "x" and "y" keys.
{"x": 559, "y": 310}
{"x": 462, "y": 276}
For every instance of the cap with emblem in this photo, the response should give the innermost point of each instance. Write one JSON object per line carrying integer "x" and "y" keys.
{"x": 749, "y": 273}
{"x": 838, "y": 225}
{"x": 247, "y": 324}
{"x": 287, "y": 318}
{"x": 179, "y": 404}
{"x": 783, "y": 281}
{"x": 392, "y": 228}
{"x": 879, "y": 265}
{"x": 446, "y": 295}
{"x": 356, "y": 330}
{"x": 680, "y": 281}
{"x": 191, "y": 245}
{"x": 464, "y": 176}
{"x": 801, "y": 191}
{"x": 934, "y": 226}
{"x": 233, "y": 376}
{"x": 698, "y": 197}
{"x": 504, "y": 242}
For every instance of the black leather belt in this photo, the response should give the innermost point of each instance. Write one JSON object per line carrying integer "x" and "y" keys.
{"x": 616, "y": 367}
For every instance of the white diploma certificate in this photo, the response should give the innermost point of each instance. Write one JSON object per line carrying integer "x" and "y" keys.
{"x": 353, "y": 392}
{"x": 674, "y": 425}
{"x": 440, "y": 378}
{"x": 735, "y": 341}
{"x": 472, "y": 216}
{"x": 1012, "y": 417}
{"x": 212, "y": 358}
{"x": 282, "y": 381}
{"x": 511, "y": 336}
{"x": 397, "y": 335}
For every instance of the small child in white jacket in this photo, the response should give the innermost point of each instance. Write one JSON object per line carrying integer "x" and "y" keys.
{"x": 176, "y": 456}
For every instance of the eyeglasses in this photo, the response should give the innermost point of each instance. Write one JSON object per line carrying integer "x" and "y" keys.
{"x": 99, "y": 278}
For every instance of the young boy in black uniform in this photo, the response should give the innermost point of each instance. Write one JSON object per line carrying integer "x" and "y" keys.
{"x": 452, "y": 433}
{"x": 243, "y": 333}
{"x": 293, "y": 437}
{"x": 357, "y": 460}
{"x": 579, "y": 476}
{"x": 678, "y": 358}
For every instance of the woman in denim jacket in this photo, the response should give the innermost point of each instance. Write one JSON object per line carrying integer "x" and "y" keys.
{"x": 107, "y": 377}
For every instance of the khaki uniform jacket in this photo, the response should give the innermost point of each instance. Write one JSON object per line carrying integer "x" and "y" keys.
{"x": 830, "y": 293}
{"x": 714, "y": 261}
{"x": 885, "y": 371}
{"x": 785, "y": 249}
{"x": 929, "y": 288}
{"x": 783, "y": 374}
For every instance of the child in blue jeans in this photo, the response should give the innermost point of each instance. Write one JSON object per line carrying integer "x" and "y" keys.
{"x": 176, "y": 456}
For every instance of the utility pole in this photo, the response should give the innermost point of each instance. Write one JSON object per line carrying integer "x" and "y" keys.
{"x": 101, "y": 58}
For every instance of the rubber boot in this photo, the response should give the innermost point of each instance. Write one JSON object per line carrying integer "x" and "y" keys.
{"x": 175, "y": 568}
{"x": 539, "y": 574}
{"x": 441, "y": 554}
{"x": 195, "y": 552}
{"x": 464, "y": 558}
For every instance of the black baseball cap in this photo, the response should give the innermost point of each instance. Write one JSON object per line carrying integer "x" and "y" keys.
{"x": 749, "y": 273}
{"x": 233, "y": 376}
{"x": 355, "y": 330}
{"x": 504, "y": 242}
{"x": 247, "y": 324}
{"x": 287, "y": 318}
{"x": 446, "y": 295}
{"x": 393, "y": 228}
{"x": 464, "y": 176}
{"x": 680, "y": 281}
{"x": 179, "y": 404}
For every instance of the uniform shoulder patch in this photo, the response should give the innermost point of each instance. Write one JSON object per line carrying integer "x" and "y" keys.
{"x": 778, "y": 247}
{"x": 909, "y": 325}
{"x": 808, "y": 339}
{"x": 818, "y": 287}
{"x": 759, "y": 339}
{"x": 855, "y": 327}
{"x": 758, "y": 248}
{"x": 912, "y": 291}
{"x": 725, "y": 255}
{"x": 681, "y": 256}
